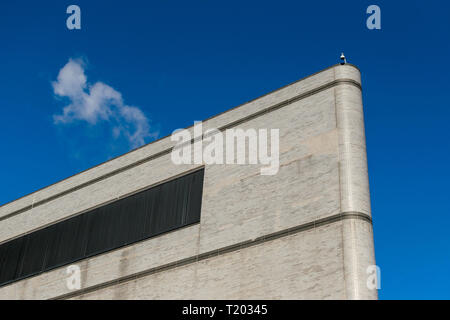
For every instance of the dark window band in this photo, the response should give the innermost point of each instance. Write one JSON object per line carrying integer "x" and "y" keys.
{"x": 168, "y": 206}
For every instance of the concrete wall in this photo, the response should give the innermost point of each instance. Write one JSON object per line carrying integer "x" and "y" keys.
{"x": 303, "y": 233}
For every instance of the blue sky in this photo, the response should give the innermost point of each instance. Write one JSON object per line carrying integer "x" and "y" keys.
{"x": 180, "y": 61}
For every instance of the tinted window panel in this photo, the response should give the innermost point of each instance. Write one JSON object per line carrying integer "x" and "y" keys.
{"x": 168, "y": 206}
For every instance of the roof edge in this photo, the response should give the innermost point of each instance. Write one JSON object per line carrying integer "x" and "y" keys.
{"x": 164, "y": 137}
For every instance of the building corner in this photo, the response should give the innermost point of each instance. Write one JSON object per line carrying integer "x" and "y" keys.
{"x": 357, "y": 232}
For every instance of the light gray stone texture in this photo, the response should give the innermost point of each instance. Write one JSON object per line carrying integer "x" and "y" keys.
{"x": 306, "y": 265}
{"x": 323, "y": 172}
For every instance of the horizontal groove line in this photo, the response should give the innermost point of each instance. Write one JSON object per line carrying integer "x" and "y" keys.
{"x": 167, "y": 151}
{"x": 221, "y": 251}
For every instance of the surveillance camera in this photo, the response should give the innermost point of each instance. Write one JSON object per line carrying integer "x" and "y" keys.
{"x": 343, "y": 60}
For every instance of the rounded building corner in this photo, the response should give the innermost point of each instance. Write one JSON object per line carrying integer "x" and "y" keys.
{"x": 347, "y": 71}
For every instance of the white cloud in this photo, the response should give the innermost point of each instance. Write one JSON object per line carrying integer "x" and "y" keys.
{"x": 98, "y": 102}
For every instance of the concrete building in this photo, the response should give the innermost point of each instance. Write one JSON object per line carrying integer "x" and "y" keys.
{"x": 303, "y": 233}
